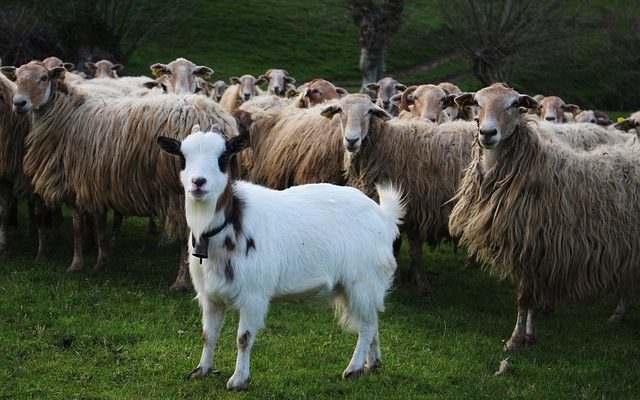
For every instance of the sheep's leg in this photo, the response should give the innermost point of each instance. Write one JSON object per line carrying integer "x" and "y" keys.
{"x": 100, "y": 222}
{"x": 374, "y": 356}
{"x": 78, "y": 235}
{"x": 531, "y": 336}
{"x": 251, "y": 320}
{"x": 56, "y": 222}
{"x": 366, "y": 334}
{"x": 116, "y": 228}
{"x": 43, "y": 222}
{"x": 472, "y": 261}
{"x": 5, "y": 207}
{"x": 32, "y": 224}
{"x": 153, "y": 228}
{"x": 212, "y": 321}
{"x": 12, "y": 220}
{"x": 415, "y": 252}
{"x": 183, "y": 280}
{"x": 519, "y": 332}
{"x": 163, "y": 239}
{"x": 620, "y": 312}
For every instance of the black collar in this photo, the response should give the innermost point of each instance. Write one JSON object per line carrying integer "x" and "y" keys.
{"x": 201, "y": 247}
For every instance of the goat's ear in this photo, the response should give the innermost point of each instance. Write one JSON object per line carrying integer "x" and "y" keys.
{"x": 57, "y": 73}
{"x": 572, "y": 108}
{"x": 9, "y": 72}
{"x": 262, "y": 79}
{"x": 289, "y": 79}
{"x": 329, "y": 112}
{"x": 203, "y": 72}
{"x": 626, "y": 124}
{"x": 527, "y": 101}
{"x": 90, "y": 66}
{"x": 158, "y": 69}
{"x": 69, "y": 66}
{"x": 466, "y": 99}
{"x": 237, "y": 143}
{"x": 380, "y": 113}
{"x": 234, "y": 80}
{"x": 118, "y": 68}
{"x": 400, "y": 87}
{"x": 341, "y": 91}
{"x": 170, "y": 145}
{"x": 449, "y": 100}
{"x": 372, "y": 87}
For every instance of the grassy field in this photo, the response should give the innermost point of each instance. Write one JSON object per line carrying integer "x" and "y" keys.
{"x": 123, "y": 335}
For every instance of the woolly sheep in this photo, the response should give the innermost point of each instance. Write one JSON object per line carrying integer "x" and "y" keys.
{"x": 278, "y": 79}
{"x": 554, "y": 109}
{"x": 241, "y": 90}
{"x": 318, "y": 91}
{"x": 384, "y": 91}
{"x": 426, "y": 101}
{"x": 179, "y": 76}
{"x": 104, "y": 69}
{"x": 424, "y": 158}
{"x": 523, "y": 206}
{"x": 250, "y": 245}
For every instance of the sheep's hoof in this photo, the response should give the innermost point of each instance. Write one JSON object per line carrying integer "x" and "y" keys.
{"x": 615, "y": 319}
{"x": 530, "y": 340}
{"x": 181, "y": 286}
{"x": 237, "y": 383}
{"x": 101, "y": 265}
{"x": 352, "y": 374}
{"x": 42, "y": 256}
{"x": 75, "y": 266}
{"x": 471, "y": 263}
{"x": 197, "y": 373}
{"x": 514, "y": 344}
{"x": 369, "y": 368}
{"x": 3, "y": 247}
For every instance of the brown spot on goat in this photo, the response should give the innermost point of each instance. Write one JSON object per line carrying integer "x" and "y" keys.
{"x": 228, "y": 244}
{"x": 278, "y": 79}
{"x": 228, "y": 271}
{"x": 251, "y": 244}
{"x": 243, "y": 340}
{"x": 180, "y": 75}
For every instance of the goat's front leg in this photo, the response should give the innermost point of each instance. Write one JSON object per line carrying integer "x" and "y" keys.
{"x": 415, "y": 253}
{"x": 212, "y": 321}
{"x": 251, "y": 321}
{"x": 517, "y": 339}
{"x": 366, "y": 333}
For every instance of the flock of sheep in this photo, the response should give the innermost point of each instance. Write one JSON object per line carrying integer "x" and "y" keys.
{"x": 547, "y": 194}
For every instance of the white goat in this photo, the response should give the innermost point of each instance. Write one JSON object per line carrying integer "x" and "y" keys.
{"x": 251, "y": 244}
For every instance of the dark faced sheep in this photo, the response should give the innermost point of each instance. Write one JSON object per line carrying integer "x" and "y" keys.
{"x": 385, "y": 90}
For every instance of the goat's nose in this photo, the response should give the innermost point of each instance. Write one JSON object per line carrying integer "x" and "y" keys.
{"x": 199, "y": 181}
{"x": 247, "y": 96}
{"x": 550, "y": 118}
{"x": 488, "y": 132}
{"x": 19, "y": 103}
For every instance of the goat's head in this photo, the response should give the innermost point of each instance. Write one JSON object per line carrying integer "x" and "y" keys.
{"x": 355, "y": 111}
{"x": 501, "y": 111}
{"x": 385, "y": 89}
{"x": 205, "y": 158}
{"x": 218, "y": 90}
{"x": 318, "y": 91}
{"x": 248, "y": 85}
{"x": 34, "y": 84}
{"x": 278, "y": 80}
{"x": 181, "y": 75}
{"x": 552, "y": 109}
{"x": 428, "y": 102}
{"x": 104, "y": 69}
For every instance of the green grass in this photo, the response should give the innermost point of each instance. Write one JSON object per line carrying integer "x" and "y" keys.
{"x": 123, "y": 335}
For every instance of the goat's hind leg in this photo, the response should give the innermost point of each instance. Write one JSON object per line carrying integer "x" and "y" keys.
{"x": 366, "y": 333}
{"x": 212, "y": 321}
{"x": 251, "y": 321}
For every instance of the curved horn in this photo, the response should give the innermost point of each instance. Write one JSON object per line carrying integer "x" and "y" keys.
{"x": 404, "y": 103}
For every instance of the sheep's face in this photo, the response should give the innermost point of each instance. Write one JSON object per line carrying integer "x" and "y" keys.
{"x": 385, "y": 89}
{"x": 52, "y": 62}
{"x": 248, "y": 86}
{"x": 104, "y": 69}
{"x": 553, "y": 108}
{"x": 319, "y": 91}
{"x": 218, "y": 90}
{"x": 355, "y": 111}
{"x": 586, "y": 116}
{"x": 428, "y": 102}
{"x": 205, "y": 158}
{"x": 278, "y": 80}
{"x": 34, "y": 84}
{"x": 500, "y": 112}
{"x": 180, "y": 75}
{"x": 451, "y": 111}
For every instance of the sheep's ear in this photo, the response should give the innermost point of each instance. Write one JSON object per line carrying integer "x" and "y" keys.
{"x": 195, "y": 128}
{"x": 400, "y": 87}
{"x": 290, "y": 93}
{"x": 572, "y": 108}
{"x": 151, "y": 85}
{"x": 342, "y": 91}
{"x": 382, "y": 114}
{"x": 289, "y": 79}
{"x": 449, "y": 100}
{"x": 466, "y": 99}
{"x": 57, "y": 73}
{"x": 626, "y": 125}
{"x": 158, "y": 69}
{"x": 396, "y": 99}
{"x": 237, "y": 143}
{"x": 262, "y": 79}
{"x": 117, "y": 67}
{"x": 9, "y": 72}
{"x": 243, "y": 120}
{"x": 203, "y": 72}
{"x": 90, "y": 66}
{"x": 374, "y": 87}
{"x": 170, "y": 145}
{"x": 527, "y": 101}
{"x": 69, "y": 66}
{"x": 330, "y": 111}
{"x": 234, "y": 80}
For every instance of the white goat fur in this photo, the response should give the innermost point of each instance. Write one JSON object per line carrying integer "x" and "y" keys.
{"x": 316, "y": 240}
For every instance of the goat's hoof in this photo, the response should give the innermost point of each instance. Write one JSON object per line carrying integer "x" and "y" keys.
{"x": 352, "y": 374}
{"x": 75, "y": 266}
{"x": 376, "y": 365}
{"x": 237, "y": 383}
{"x": 198, "y": 373}
{"x": 514, "y": 344}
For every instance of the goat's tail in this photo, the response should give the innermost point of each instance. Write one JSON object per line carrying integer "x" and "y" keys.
{"x": 392, "y": 202}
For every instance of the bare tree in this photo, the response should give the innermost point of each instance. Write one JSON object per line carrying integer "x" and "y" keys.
{"x": 496, "y": 34}
{"x": 23, "y": 36}
{"x": 376, "y": 22}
